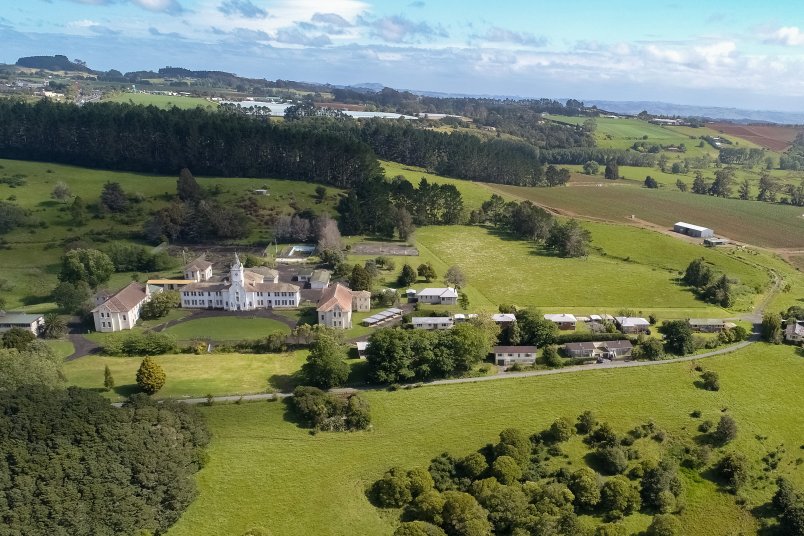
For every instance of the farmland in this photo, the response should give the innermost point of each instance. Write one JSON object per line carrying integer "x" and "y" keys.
{"x": 773, "y": 137}
{"x": 265, "y": 471}
{"x": 160, "y": 101}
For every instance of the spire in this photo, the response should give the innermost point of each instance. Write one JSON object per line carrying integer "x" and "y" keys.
{"x": 237, "y": 261}
{"x": 236, "y": 274}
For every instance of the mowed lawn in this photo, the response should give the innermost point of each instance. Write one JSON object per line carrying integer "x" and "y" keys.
{"x": 226, "y": 328}
{"x": 753, "y": 222}
{"x": 264, "y": 471}
{"x": 501, "y": 270}
{"x": 193, "y": 375}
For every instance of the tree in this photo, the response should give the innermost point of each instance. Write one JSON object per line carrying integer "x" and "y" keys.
{"x": 568, "y": 239}
{"x": 61, "y": 192}
{"x": 721, "y": 186}
{"x": 650, "y": 349}
{"x": 360, "y": 278}
{"x": 719, "y": 292}
{"x": 427, "y": 272}
{"x": 678, "y": 167}
{"x": 586, "y": 422}
{"x": 613, "y": 459}
{"x": 650, "y": 182}
{"x": 550, "y": 357}
{"x": 35, "y": 364}
{"x": 744, "y": 192}
{"x": 659, "y": 477}
{"x": 612, "y": 171}
{"x": 699, "y": 185}
{"x": 88, "y": 265}
{"x": 408, "y": 276}
{"x": 326, "y": 365}
{"x": 463, "y": 301}
{"x": 697, "y": 274}
{"x": 772, "y": 328}
{"x": 786, "y": 495}
{"x": 187, "y": 187}
{"x": 506, "y": 470}
{"x": 474, "y": 465}
{"x": 328, "y": 235}
{"x": 678, "y": 337}
{"x": 320, "y": 194}
{"x": 418, "y": 528}
{"x": 71, "y": 297}
{"x": 108, "y": 379}
{"x": 734, "y": 469}
{"x": 591, "y": 167}
{"x": 150, "y": 376}
{"x": 561, "y": 430}
{"x": 536, "y": 329}
{"x": 681, "y": 185}
{"x": 664, "y": 525}
{"x": 585, "y": 485}
{"x": 113, "y": 198}
{"x": 393, "y": 489}
{"x": 726, "y": 430}
{"x": 768, "y": 188}
{"x": 619, "y": 495}
{"x": 403, "y": 222}
{"x": 159, "y": 305}
{"x": 54, "y": 327}
{"x": 662, "y": 162}
{"x": 18, "y": 339}
{"x": 455, "y": 277}
{"x": 710, "y": 380}
{"x": 463, "y": 516}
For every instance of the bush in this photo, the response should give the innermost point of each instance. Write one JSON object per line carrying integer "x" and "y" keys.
{"x": 734, "y": 469}
{"x": 664, "y": 525}
{"x": 331, "y": 412}
{"x": 506, "y": 470}
{"x": 619, "y": 495}
{"x": 150, "y": 376}
{"x": 602, "y": 436}
{"x": 710, "y": 380}
{"x": 586, "y": 422}
{"x": 726, "y": 430}
{"x": 392, "y": 490}
{"x": 705, "y": 426}
{"x": 561, "y": 430}
{"x": 614, "y": 460}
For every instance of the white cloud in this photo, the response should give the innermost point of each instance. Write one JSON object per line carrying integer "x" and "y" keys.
{"x": 789, "y": 36}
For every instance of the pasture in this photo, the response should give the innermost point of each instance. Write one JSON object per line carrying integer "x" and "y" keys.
{"x": 160, "y": 101}
{"x": 192, "y": 375}
{"x": 265, "y": 471}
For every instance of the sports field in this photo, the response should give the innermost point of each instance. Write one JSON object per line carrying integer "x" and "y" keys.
{"x": 266, "y": 472}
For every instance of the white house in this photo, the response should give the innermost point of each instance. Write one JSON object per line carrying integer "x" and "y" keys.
{"x": 504, "y": 318}
{"x": 794, "y": 331}
{"x": 508, "y": 355}
{"x": 599, "y": 349}
{"x": 631, "y": 324}
{"x": 242, "y": 290}
{"x": 121, "y": 310}
{"x": 198, "y": 270}
{"x": 31, "y": 322}
{"x": 563, "y": 321}
{"x": 361, "y": 301}
{"x": 432, "y": 322}
{"x": 319, "y": 279}
{"x": 335, "y": 307}
{"x": 438, "y": 296}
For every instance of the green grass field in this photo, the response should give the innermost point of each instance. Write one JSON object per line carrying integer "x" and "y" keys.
{"x": 193, "y": 375}
{"x": 160, "y": 101}
{"x": 226, "y": 328}
{"x": 264, "y": 471}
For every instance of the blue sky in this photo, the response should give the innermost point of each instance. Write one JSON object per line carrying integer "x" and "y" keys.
{"x": 736, "y": 53}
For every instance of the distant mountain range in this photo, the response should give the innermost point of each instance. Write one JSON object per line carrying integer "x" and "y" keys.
{"x": 736, "y": 115}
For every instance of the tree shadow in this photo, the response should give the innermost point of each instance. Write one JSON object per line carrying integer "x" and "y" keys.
{"x": 767, "y": 513}
{"x": 34, "y": 300}
{"x": 127, "y": 390}
{"x": 290, "y": 415}
{"x": 593, "y": 461}
{"x": 358, "y": 373}
{"x": 50, "y": 203}
{"x": 284, "y": 382}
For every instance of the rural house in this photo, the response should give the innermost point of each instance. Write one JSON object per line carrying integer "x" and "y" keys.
{"x": 198, "y": 270}
{"x": 708, "y": 325}
{"x": 432, "y": 322}
{"x": 503, "y": 318}
{"x": 121, "y": 310}
{"x": 600, "y": 350}
{"x": 438, "y": 296}
{"x": 319, "y": 279}
{"x": 693, "y": 230}
{"x": 632, "y": 324}
{"x": 509, "y": 355}
{"x": 31, "y": 322}
{"x": 794, "y": 332}
{"x": 563, "y": 321}
{"x": 335, "y": 307}
{"x": 242, "y": 290}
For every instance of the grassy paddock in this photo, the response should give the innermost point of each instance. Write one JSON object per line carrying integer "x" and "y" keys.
{"x": 266, "y": 472}
{"x": 160, "y": 101}
{"x": 226, "y": 328}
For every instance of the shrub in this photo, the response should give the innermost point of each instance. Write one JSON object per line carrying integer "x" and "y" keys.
{"x": 506, "y": 470}
{"x": 602, "y": 436}
{"x": 710, "y": 380}
{"x": 586, "y": 422}
{"x": 150, "y": 376}
{"x": 331, "y": 412}
{"x": 705, "y": 426}
{"x": 139, "y": 344}
{"x": 561, "y": 430}
{"x": 392, "y": 490}
{"x": 613, "y": 459}
{"x": 664, "y": 525}
{"x": 734, "y": 469}
{"x": 726, "y": 430}
{"x": 618, "y": 494}
{"x": 585, "y": 486}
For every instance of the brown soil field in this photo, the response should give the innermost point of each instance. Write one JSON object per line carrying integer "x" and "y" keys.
{"x": 773, "y": 137}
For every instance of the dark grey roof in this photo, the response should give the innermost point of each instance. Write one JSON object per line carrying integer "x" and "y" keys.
{"x": 514, "y": 349}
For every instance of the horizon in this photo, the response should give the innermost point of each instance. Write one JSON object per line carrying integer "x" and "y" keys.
{"x": 673, "y": 53}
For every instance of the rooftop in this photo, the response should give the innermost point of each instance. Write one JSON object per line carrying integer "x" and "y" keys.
{"x": 691, "y": 226}
{"x": 447, "y": 292}
{"x": 514, "y": 349}
{"x": 320, "y": 276}
{"x": 199, "y": 264}
{"x": 631, "y": 321}
{"x": 504, "y": 317}
{"x": 125, "y": 299}
{"x": 335, "y": 296}
{"x": 18, "y": 318}
{"x": 431, "y": 320}
{"x": 706, "y": 321}
{"x": 560, "y": 317}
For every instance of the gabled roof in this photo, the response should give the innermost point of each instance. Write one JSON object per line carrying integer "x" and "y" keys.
{"x": 794, "y": 328}
{"x": 447, "y": 292}
{"x": 125, "y": 299}
{"x": 691, "y": 226}
{"x": 19, "y": 318}
{"x": 320, "y": 276}
{"x": 336, "y": 295}
{"x": 199, "y": 265}
{"x": 513, "y": 350}
{"x": 361, "y": 294}
{"x": 504, "y": 317}
{"x": 431, "y": 320}
{"x": 631, "y": 321}
{"x": 560, "y": 317}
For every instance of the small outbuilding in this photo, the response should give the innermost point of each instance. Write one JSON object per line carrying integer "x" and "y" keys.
{"x": 30, "y": 322}
{"x": 693, "y": 230}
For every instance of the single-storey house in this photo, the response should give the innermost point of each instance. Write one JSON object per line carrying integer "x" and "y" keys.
{"x": 508, "y": 355}
{"x": 438, "y": 296}
{"x": 504, "y": 318}
{"x": 432, "y": 322}
{"x": 121, "y": 310}
{"x": 460, "y": 317}
{"x": 794, "y": 332}
{"x": 319, "y": 279}
{"x": 707, "y": 325}
{"x": 31, "y": 322}
{"x": 198, "y": 270}
{"x": 632, "y": 324}
{"x": 563, "y": 321}
{"x": 693, "y": 230}
{"x": 603, "y": 349}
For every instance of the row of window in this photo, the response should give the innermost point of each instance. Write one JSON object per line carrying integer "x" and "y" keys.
{"x": 219, "y": 293}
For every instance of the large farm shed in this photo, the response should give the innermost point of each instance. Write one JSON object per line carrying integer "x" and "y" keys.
{"x": 693, "y": 230}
